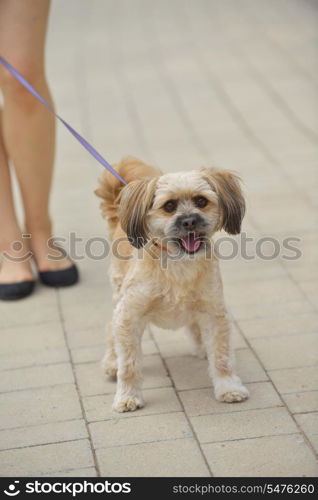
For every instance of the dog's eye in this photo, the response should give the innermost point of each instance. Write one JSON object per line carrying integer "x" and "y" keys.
{"x": 200, "y": 201}
{"x": 170, "y": 206}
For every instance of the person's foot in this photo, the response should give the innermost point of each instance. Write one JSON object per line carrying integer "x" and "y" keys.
{"x": 55, "y": 268}
{"x": 16, "y": 261}
{"x": 16, "y": 277}
{"x": 46, "y": 255}
{"x": 15, "y": 272}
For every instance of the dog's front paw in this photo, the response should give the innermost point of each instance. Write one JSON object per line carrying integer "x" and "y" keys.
{"x": 230, "y": 390}
{"x": 127, "y": 403}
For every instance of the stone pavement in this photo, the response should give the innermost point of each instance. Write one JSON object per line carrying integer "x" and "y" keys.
{"x": 180, "y": 83}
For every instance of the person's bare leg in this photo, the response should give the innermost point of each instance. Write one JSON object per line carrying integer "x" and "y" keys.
{"x": 28, "y": 127}
{"x": 15, "y": 267}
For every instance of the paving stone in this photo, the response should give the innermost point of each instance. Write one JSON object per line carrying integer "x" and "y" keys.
{"x": 53, "y": 432}
{"x": 264, "y": 292}
{"x": 31, "y": 358}
{"x": 88, "y": 354}
{"x": 39, "y": 308}
{"x": 243, "y": 424}
{"x": 46, "y": 459}
{"x": 309, "y": 424}
{"x": 84, "y": 472}
{"x": 37, "y": 376}
{"x": 310, "y": 289}
{"x": 79, "y": 337}
{"x": 284, "y": 352}
{"x": 39, "y": 406}
{"x": 202, "y": 401}
{"x": 88, "y": 316}
{"x": 295, "y": 379}
{"x": 166, "y": 458}
{"x": 276, "y": 309}
{"x": 36, "y": 337}
{"x": 139, "y": 430}
{"x": 271, "y": 456}
{"x": 299, "y": 402}
{"x": 270, "y": 327}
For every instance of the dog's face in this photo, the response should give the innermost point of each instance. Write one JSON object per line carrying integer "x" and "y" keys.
{"x": 183, "y": 209}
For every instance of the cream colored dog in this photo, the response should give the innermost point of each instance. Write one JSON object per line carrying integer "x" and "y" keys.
{"x": 165, "y": 272}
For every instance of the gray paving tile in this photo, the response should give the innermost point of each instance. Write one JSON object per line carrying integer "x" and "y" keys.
{"x": 46, "y": 458}
{"x": 292, "y": 457}
{"x": 166, "y": 458}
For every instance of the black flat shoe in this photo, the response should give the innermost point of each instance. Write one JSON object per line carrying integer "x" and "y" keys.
{"x": 16, "y": 291}
{"x": 64, "y": 277}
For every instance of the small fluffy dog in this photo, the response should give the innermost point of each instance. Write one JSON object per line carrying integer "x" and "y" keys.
{"x": 163, "y": 274}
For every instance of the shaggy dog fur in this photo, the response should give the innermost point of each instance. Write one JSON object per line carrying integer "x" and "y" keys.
{"x": 165, "y": 272}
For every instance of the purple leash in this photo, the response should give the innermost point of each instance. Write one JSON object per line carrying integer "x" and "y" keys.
{"x": 77, "y": 136}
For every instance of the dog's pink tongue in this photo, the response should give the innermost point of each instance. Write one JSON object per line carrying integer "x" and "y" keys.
{"x": 191, "y": 242}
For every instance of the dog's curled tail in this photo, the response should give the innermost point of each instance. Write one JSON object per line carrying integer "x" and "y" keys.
{"x": 130, "y": 169}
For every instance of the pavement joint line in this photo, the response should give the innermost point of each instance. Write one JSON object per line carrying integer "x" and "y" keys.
{"x": 244, "y": 410}
{"x": 36, "y": 388}
{"x": 76, "y": 469}
{"x": 21, "y": 326}
{"x": 286, "y": 336}
{"x": 191, "y": 438}
{"x": 41, "y": 424}
{"x": 267, "y": 381}
{"x": 264, "y": 316}
{"x": 90, "y": 439}
{"x": 195, "y": 437}
{"x": 170, "y": 356}
{"x": 305, "y": 412}
{"x": 254, "y": 437}
{"x": 299, "y": 392}
{"x": 291, "y": 368}
{"x": 26, "y": 366}
{"x": 134, "y": 414}
{"x": 43, "y": 444}
{"x": 306, "y": 439}
{"x": 111, "y": 419}
{"x": 232, "y": 412}
{"x": 38, "y": 365}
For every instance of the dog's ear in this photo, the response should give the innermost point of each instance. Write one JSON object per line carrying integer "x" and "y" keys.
{"x": 135, "y": 201}
{"x": 226, "y": 184}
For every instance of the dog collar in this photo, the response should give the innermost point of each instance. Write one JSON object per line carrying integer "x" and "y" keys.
{"x": 156, "y": 244}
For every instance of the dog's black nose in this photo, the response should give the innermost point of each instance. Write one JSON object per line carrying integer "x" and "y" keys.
{"x": 189, "y": 222}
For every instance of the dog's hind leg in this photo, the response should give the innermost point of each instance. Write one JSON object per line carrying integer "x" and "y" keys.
{"x": 109, "y": 361}
{"x": 194, "y": 335}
